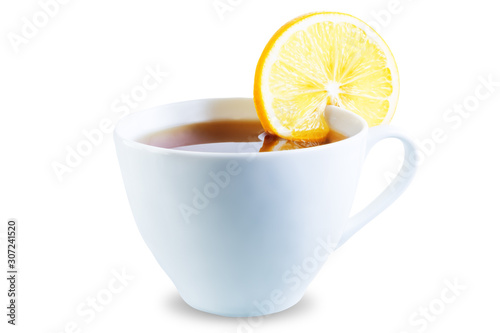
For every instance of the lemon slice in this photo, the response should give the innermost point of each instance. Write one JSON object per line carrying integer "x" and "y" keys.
{"x": 319, "y": 59}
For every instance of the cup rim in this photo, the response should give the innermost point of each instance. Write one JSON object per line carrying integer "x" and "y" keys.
{"x": 133, "y": 143}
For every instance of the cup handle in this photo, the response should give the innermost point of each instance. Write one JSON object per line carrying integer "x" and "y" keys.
{"x": 397, "y": 186}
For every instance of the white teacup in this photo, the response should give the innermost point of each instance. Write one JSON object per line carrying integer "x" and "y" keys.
{"x": 230, "y": 229}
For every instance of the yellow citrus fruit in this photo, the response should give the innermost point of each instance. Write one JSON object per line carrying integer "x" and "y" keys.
{"x": 319, "y": 59}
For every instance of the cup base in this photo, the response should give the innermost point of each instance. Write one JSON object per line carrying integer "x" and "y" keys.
{"x": 245, "y": 314}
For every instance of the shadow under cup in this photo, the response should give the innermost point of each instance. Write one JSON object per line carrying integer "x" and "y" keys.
{"x": 239, "y": 234}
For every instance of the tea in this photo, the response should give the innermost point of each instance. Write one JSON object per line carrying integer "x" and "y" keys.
{"x": 233, "y": 136}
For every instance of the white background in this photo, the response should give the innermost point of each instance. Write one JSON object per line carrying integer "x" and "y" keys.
{"x": 76, "y": 232}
